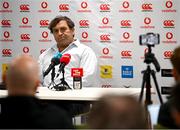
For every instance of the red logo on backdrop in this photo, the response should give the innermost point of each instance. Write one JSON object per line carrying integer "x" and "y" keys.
{"x": 44, "y": 34}
{"x": 6, "y": 52}
{"x": 147, "y": 20}
{"x": 126, "y": 54}
{"x": 6, "y": 22}
{"x": 147, "y": 6}
{"x": 168, "y": 23}
{"x": 105, "y": 20}
{"x": 84, "y": 5}
{"x": 105, "y": 51}
{"x": 169, "y": 35}
{"x": 25, "y": 20}
{"x": 84, "y": 23}
{"x": 44, "y": 22}
{"x": 105, "y": 37}
{"x": 84, "y": 35}
{"x": 64, "y": 7}
{"x": 6, "y": 34}
{"x": 25, "y": 37}
{"x": 126, "y": 35}
{"x": 24, "y": 7}
{"x": 125, "y": 4}
{"x": 42, "y": 50}
{"x": 25, "y": 49}
{"x": 5, "y": 5}
{"x": 126, "y": 23}
{"x": 77, "y": 72}
{"x": 169, "y": 4}
{"x": 104, "y": 7}
{"x": 44, "y": 5}
{"x": 168, "y": 54}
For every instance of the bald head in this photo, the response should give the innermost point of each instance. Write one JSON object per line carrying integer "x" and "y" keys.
{"x": 23, "y": 76}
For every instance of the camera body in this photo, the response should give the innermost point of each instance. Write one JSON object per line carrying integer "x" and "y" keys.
{"x": 150, "y": 39}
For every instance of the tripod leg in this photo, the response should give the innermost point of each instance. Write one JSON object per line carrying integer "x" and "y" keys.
{"x": 156, "y": 85}
{"x": 142, "y": 87}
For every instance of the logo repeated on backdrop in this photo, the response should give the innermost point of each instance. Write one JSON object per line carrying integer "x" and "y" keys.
{"x": 169, "y": 7}
{"x": 84, "y": 7}
{"x": 166, "y": 90}
{"x": 166, "y": 73}
{"x": 24, "y": 8}
{"x": 25, "y": 23}
{"x": 6, "y": 23}
{"x": 85, "y": 36}
{"x": 25, "y": 37}
{"x": 84, "y": 23}
{"x": 147, "y": 7}
{"x": 169, "y": 38}
{"x": 105, "y": 71}
{"x": 168, "y": 23}
{"x": 105, "y": 23}
{"x": 6, "y": 37}
{"x": 167, "y": 54}
{"x": 145, "y": 51}
{"x": 105, "y": 38}
{"x": 6, "y": 52}
{"x": 44, "y": 7}
{"x": 147, "y": 23}
{"x": 42, "y": 50}
{"x": 64, "y": 7}
{"x": 5, "y": 7}
{"x": 126, "y": 38}
{"x": 125, "y": 7}
{"x": 105, "y": 8}
{"x": 45, "y": 37}
{"x": 126, "y": 71}
{"x": 25, "y": 49}
{"x": 43, "y": 23}
{"x": 126, "y": 54}
{"x": 105, "y": 54}
{"x": 126, "y": 24}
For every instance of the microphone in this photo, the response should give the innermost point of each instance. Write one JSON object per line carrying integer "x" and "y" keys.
{"x": 64, "y": 60}
{"x": 54, "y": 61}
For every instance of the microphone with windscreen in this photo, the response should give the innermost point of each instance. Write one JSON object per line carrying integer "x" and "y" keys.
{"x": 64, "y": 60}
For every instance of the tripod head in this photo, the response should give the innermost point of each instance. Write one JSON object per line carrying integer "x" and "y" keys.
{"x": 150, "y": 58}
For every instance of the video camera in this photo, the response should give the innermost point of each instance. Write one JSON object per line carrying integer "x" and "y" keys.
{"x": 150, "y": 39}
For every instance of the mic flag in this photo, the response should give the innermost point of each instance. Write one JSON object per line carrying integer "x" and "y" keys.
{"x": 77, "y": 73}
{"x": 54, "y": 61}
{"x": 64, "y": 60}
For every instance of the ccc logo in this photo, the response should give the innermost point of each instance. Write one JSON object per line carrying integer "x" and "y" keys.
{"x": 126, "y": 23}
{"x": 44, "y": 22}
{"x": 168, "y": 54}
{"x": 126, "y": 53}
{"x": 168, "y": 23}
{"x": 105, "y": 20}
{"x": 25, "y": 36}
{"x": 146, "y": 6}
{"x": 6, "y": 51}
{"x": 64, "y": 7}
{"x": 24, "y": 7}
{"x": 44, "y": 34}
{"x": 169, "y": 35}
{"x": 84, "y": 23}
{"x": 105, "y": 51}
{"x": 84, "y": 5}
{"x": 6, "y": 34}
{"x": 169, "y": 4}
{"x": 125, "y": 4}
{"x": 147, "y": 20}
{"x": 104, "y": 7}
{"x": 44, "y": 5}
{"x": 6, "y": 22}
{"x": 126, "y": 35}
{"x": 84, "y": 35}
{"x": 5, "y": 5}
{"x": 105, "y": 37}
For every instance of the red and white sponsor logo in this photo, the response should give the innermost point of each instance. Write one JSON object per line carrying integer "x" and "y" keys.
{"x": 6, "y": 22}
{"x": 104, "y": 7}
{"x": 6, "y": 34}
{"x": 24, "y": 7}
{"x": 44, "y": 23}
{"x": 125, "y": 4}
{"x": 6, "y": 52}
{"x": 106, "y": 86}
{"x": 64, "y": 7}
{"x": 105, "y": 51}
{"x": 169, "y": 35}
{"x": 168, "y": 54}
{"x": 45, "y": 34}
{"x": 5, "y": 5}
{"x": 25, "y": 20}
{"x": 25, "y": 49}
{"x": 76, "y": 72}
{"x": 44, "y": 5}
{"x": 168, "y": 23}
{"x": 84, "y": 35}
{"x": 146, "y": 6}
{"x": 105, "y": 37}
{"x": 105, "y": 20}
{"x": 169, "y": 4}
{"x": 126, "y": 23}
{"x": 126, "y": 54}
{"x": 126, "y": 35}
{"x": 84, "y": 23}
{"x": 147, "y": 20}
{"x": 84, "y": 5}
{"x": 25, "y": 37}
{"x": 42, "y": 50}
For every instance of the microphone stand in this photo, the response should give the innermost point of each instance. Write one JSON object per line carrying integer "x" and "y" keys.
{"x": 52, "y": 78}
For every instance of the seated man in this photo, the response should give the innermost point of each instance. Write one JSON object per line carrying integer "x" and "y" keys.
{"x": 21, "y": 109}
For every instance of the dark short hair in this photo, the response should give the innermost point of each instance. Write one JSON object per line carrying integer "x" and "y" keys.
{"x": 175, "y": 59}
{"x": 57, "y": 19}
